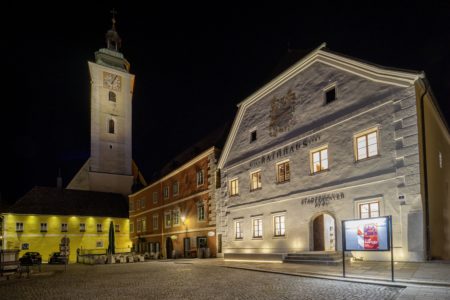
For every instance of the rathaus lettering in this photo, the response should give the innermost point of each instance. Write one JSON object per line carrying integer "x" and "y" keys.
{"x": 284, "y": 151}
{"x": 322, "y": 200}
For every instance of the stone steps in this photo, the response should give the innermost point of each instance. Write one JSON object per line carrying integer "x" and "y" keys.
{"x": 314, "y": 257}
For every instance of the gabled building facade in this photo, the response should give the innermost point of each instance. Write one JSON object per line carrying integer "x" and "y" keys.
{"x": 333, "y": 138}
{"x": 175, "y": 216}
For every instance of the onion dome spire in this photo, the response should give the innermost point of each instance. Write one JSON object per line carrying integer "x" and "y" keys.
{"x": 113, "y": 40}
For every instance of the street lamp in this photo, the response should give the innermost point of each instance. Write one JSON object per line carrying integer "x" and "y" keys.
{"x": 183, "y": 218}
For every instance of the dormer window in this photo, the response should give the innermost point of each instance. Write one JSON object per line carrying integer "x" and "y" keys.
{"x": 330, "y": 95}
{"x": 252, "y": 136}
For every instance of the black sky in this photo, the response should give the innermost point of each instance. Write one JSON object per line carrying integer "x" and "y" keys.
{"x": 193, "y": 63}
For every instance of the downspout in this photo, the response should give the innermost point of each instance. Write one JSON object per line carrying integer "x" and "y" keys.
{"x": 425, "y": 175}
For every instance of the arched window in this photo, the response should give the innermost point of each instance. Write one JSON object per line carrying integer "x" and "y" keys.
{"x": 112, "y": 96}
{"x": 111, "y": 126}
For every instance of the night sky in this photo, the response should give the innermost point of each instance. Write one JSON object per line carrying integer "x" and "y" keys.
{"x": 193, "y": 63}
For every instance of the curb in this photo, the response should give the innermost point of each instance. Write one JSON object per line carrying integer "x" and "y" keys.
{"x": 403, "y": 283}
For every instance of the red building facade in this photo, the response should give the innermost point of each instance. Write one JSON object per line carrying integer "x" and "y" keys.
{"x": 175, "y": 216}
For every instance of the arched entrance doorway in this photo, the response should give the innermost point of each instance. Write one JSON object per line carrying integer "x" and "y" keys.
{"x": 169, "y": 247}
{"x": 324, "y": 233}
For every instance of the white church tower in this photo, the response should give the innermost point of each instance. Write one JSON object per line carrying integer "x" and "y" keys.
{"x": 109, "y": 168}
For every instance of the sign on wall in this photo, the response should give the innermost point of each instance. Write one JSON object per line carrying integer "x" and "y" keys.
{"x": 367, "y": 234}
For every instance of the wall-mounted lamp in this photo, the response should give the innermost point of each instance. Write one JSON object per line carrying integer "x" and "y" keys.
{"x": 183, "y": 219}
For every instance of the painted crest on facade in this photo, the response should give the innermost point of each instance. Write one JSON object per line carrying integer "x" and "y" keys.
{"x": 282, "y": 113}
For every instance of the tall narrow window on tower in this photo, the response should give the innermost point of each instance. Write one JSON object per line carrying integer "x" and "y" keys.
{"x": 111, "y": 126}
{"x": 112, "y": 96}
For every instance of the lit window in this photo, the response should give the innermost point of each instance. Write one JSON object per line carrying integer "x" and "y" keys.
{"x": 200, "y": 179}
{"x": 257, "y": 228}
{"x": 155, "y": 222}
{"x": 234, "y": 187}
{"x": 283, "y": 172}
{"x": 366, "y": 144}
{"x": 117, "y": 227}
{"x": 330, "y": 95}
{"x": 166, "y": 192}
{"x": 111, "y": 126}
{"x": 82, "y": 227}
{"x": 201, "y": 211}
{"x": 167, "y": 219}
{"x": 63, "y": 227}
{"x": 319, "y": 160}
{"x": 112, "y": 96}
{"x": 155, "y": 197}
{"x": 175, "y": 188}
{"x": 138, "y": 225}
{"x": 239, "y": 235}
{"x": 253, "y": 136}
{"x": 440, "y": 160}
{"x": 279, "y": 226}
{"x": 143, "y": 224}
{"x": 43, "y": 227}
{"x": 369, "y": 210}
{"x": 19, "y": 226}
{"x": 131, "y": 227}
{"x": 99, "y": 227}
{"x": 255, "y": 180}
{"x": 176, "y": 217}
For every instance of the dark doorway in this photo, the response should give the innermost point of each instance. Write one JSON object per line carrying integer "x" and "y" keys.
{"x": 187, "y": 247}
{"x": 169, "y": 247}
{"x": 318, "y": 234}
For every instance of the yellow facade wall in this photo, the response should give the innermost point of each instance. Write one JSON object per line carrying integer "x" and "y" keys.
{"x": 47, "y": 242}
{"x": 437, "y": 151}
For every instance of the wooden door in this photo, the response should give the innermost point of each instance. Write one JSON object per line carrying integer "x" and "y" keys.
{"x": 318, "y": 232}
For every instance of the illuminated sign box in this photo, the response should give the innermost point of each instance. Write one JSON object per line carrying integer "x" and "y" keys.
{"x": 367, "y": 234}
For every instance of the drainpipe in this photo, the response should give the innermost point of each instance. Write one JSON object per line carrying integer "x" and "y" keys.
{"x": 425, "y": 174}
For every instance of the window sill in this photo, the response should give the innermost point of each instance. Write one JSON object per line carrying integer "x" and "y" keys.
{"x": 320, "y": 172}
{"x": 257, "y": 238}
{"x": 43, "y": 231}
{"x": 367, "y": 158}
{"x": 277, "y": 237}
{"x": 234, "y": 195}
{"x": 257, "y": 189}
{"x": 282, "y": 182}
{"x": 239, "y": 239}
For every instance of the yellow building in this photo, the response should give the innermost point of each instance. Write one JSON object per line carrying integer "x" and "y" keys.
{"x": 41, "y": 219}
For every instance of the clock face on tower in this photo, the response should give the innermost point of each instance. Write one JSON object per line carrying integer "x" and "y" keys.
{"x": 112, "y": 81}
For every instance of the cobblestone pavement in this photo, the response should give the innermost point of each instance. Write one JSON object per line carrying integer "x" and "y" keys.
{"x": 182, "y": 279}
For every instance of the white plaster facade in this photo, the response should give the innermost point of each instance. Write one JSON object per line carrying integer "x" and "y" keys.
{"x": 291, "y": 118}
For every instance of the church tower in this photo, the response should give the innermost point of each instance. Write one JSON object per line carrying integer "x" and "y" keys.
{"x": 110, "y": 164}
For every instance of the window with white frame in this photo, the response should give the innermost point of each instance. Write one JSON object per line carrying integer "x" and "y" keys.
{"x": 176, "y": 217}
{"x": 99, "y": 227}
{"x": 257, "y": 228}
{"x": 155, "y": 197}
{"x": 366, "y": 144}
{"x": 166, "y": 192}
{"x": 319, "y": 159}
{"x": 131, "y": 227}
{"x": 279, "y": 226}
{"x": 200, "y": 177}
{"x": 82, "y": 227}
{"x": 64, "y": 227}
{"x": 234, "y": 187}
{"x": 155, "y": 219}
{"x": 200, "y": 211}
{"x": 175, "y": 188}
{"x": 369, "y": 209}
{"x": 167, "y": 219}
{"x": 238, "y": 233}
{"x": 43, "y": 227}
{"x": 255, "y": 180}
{"x": 117, "y": 227}
{"x": 283, "y": 172}
{"x": 19, "y": 226}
